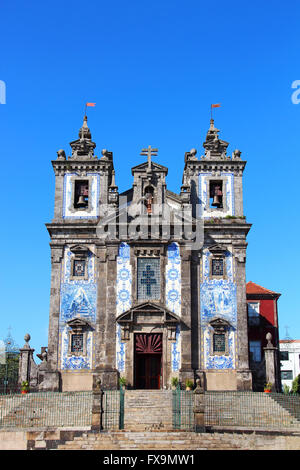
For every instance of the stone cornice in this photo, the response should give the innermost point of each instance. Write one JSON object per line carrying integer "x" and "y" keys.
{"x": 211, "y": 166}
{"x": 63, "y": 166}
{"x": 232, "y": 227}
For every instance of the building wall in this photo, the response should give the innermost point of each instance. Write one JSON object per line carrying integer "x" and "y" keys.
{"x": 292, "y": 365}
{"x": 267, "y": 322}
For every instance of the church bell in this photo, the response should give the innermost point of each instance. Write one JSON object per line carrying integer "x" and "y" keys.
{"x": 217, "y": 198}
{"x": 82, "y": 202}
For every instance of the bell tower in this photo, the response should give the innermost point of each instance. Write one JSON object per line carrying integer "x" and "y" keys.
{"x": 83, "y": 184}
{"x": 219, "y": 287}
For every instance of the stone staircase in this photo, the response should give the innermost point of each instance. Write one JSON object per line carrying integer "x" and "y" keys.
{"x": 148, "y": 410}
{"x": 247, "y": 409}
{"x": 179, "y": 441}
{"x": 151, "y": 440}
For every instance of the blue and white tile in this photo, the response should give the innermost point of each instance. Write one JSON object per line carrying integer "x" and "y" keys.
{"x": 173, "y": 279}
{"x": 72, "y": 362}
{"x": 124, "y": 298}
{"x": 219, "y": 361}
{"x": 173, "y": 297}
{"x": 218, "y": 299}
{"x": 228, "y": 193}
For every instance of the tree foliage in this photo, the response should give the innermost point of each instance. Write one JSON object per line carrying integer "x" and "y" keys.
{"x": 296, "y": 385}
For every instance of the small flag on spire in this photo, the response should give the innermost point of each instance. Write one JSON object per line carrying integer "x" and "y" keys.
{"x": 90, "y": 104}
{"x": 217, "y": 105}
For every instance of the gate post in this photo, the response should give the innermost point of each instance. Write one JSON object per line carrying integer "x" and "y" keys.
{"x": 97, "y": 405}
{"x": 199, "y": 407}
{"x": 121, "y": 416}
{"x": 27, "y": 366}
{"x": 272, "y": 369}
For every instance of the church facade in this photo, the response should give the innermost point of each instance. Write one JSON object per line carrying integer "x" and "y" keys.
{"x": 148, "y": 284}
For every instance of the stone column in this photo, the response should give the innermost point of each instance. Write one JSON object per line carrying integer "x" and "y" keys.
{"x": 97, "y": 406}
{"x": 199, "y": 407}
{"x": 244, "y": 375}
{"x": 186, "y": 371}
{"x": 272, "y": 372}
{"x": 26, "y": 353}
{"x": 53, "y": 334}
{"x": 58, "y": 197}
{"x": 106, "y": 322}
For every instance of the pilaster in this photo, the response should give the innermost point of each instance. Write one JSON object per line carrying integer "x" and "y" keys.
{"x": 53, "y": 335}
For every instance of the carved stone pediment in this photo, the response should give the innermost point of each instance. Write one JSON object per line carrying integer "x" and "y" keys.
{"x": 78, "y": 324}
{"x": 151, "y": 313}
{"x": 156, "y": 167}
{"x": 219, "y": 323}
{"x": 80, "y": 250}
{"x": 217, "y": 249}
{"x": 148, "y": 313}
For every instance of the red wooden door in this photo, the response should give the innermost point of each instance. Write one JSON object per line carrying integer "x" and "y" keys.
{"x": 148, "y": 354}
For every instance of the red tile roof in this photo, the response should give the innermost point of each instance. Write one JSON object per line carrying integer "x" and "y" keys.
{"x": 252, "y": 288}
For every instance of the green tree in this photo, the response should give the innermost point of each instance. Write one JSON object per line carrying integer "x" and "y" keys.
{"x": 9, "y": 372}
{"x": 296, "y": 385}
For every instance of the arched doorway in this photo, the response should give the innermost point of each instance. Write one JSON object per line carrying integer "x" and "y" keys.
{"x": 148, "y": 360}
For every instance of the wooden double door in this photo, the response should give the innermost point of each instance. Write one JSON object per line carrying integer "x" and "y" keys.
{"x": 148, "y": 361}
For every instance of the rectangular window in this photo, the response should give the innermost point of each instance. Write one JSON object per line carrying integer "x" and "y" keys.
{"x": 79, "y": 267}
{"x": 253, "y": 313}
{"x": 77, "y": 343}
{"x": 219, "y": 342}
{"x": 148, "y": 278}
{"x": 255, "y": 351}
{"x": 81, "y": 194}
{"x": 217, "y": 267}
{"x": 287, "y": 375}
{"x": 284, "y": 355}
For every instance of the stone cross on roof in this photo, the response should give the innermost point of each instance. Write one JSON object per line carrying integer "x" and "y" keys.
{"x": 149, "y": 152}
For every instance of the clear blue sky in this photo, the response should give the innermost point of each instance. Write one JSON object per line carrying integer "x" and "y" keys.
{"x": 153, "y": 68}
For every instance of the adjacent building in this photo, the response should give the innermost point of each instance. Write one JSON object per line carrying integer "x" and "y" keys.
{"x": 289, "y": 360}
{"x": 262, "y": 319}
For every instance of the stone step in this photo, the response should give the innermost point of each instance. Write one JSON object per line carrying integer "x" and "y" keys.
{"x": 155, "y": 441}
{"x": 148, "y": 409}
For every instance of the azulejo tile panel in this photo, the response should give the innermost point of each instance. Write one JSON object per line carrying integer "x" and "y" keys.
{"x": 204, "y": 195}
{"x": 218, "y": 300}
{"x": 72, "y": 362}
{"x": 176, "y": 351}
{"x": 173, "y": 297}
{"x": 173, "y": 279}
{"x": 94, "y": 194}
{"x": 78, "y": 297}
{"x": 124, "y": 298}
{"x": 78, "y": 300}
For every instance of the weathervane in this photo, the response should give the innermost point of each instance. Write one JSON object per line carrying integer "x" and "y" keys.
{"x": 149, "y": 152}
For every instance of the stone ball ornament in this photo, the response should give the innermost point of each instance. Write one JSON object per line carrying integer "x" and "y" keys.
{"x": 27, "y": 337}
